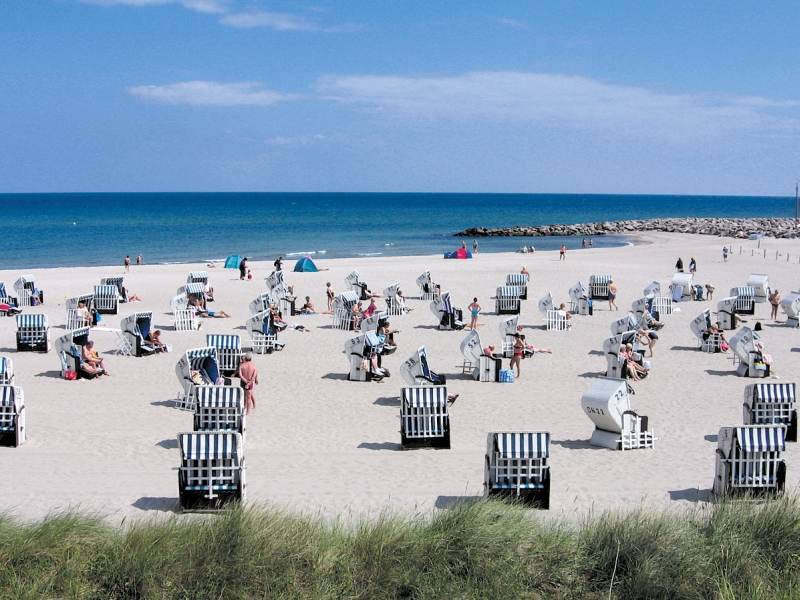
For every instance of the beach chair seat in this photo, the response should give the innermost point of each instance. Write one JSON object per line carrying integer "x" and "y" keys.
{"x": 198, "y": 367}
{"x": 508, "y": 300}
{"x": 106, "y": 299}
{"x": 516, "y": 466}
{"x": 598, "y": 287}
{"x": 12, "y": 416}
{"x": 416, "y": 372}
{"x": 33, "y": 333}
{"x": 363, "y": 354}
{"x": 424, "y": 418}
{"x": 557, "y": 321}
{"x": 749, "y": 460}
{"x": 519, "y": 280}
{"x": 745, "y": 300}
{"x": 476, "y": 363}
{"x": 617, "y": 426}
{"x": 229, "y": 351}
{"x": 448, "y": 317}
{"x": 771, "y": 404}
{"x": 220, "y": 408}
{"x": 136, "y": 329}
{"x": 212, "y": 471}
{"x": 580, "y": 303}
{"x": 746, "y": 347}
{"x": 343, "y": 310}
{"x": 395, "y": 305}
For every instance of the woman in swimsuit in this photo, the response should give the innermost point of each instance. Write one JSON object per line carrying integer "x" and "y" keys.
{"x": 475, "y": 310}
{"x": 519, "y": 350}
{"x": 331, "y": 295}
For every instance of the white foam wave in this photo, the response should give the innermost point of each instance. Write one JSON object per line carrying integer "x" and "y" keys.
{"x": 370, "y": 254}
{"x": 300, "y": 253}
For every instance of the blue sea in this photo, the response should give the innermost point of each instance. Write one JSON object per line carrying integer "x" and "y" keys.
{"x": 51, "y": 230}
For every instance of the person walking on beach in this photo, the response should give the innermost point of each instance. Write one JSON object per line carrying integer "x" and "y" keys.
{"x": 474, "y": 310}
{"x": 139, "y": 260}
{"x": 775, "y": 301}
{"x": 612, "y": 295}
{"x": 519, "y": 351}
{"x": 278, "y": 263}
{"x": 248, "y": 374}
{"x": 127, "y": 263}
{"x": 692, "y": 266}
{"x": 725, "y": 254}
{"x": 243, "y": 269}
{"x": 563, "y": 252}
{"x": 474, "y": 246}
{"x": 679, "y": 265}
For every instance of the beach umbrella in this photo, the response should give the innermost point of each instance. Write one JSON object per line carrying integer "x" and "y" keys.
{"x": 233, "y": 261}
{"x": 305, "y": 265}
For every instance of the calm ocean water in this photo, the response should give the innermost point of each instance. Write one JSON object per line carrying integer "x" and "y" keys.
{"x": 48, "y": 230}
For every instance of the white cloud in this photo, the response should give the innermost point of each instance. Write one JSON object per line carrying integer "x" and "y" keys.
{"x": 511, "y": 23}
{"x": 550, "y": 99}
{"x": 211, "y": 93}
{"x": 205, "y": 6}
{"x": 281, "y": 22}
{"x": 295, "y": 140}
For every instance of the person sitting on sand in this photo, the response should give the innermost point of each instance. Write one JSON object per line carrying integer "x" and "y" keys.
{"x": 92, "y": 358}
{"x": 308, "y": 307}
{"x": 154, "y": 337}
{"x": 128, "y": 297}
{"x": 208, "y": 291}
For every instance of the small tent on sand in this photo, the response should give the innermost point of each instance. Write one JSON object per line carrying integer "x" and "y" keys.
{"x": 305, "y": 265}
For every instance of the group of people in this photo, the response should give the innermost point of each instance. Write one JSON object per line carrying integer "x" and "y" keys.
{"x": 692, "y": 266}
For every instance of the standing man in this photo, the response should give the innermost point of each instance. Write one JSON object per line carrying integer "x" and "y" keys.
{"x": 612, "y": 295}
{"x": 775, "y": 301}
{"x": 583, "y": 244}
{"x": 725, "y": 253}
{"x": 278, "y": 263}
{"x": 591, "y": 242}
{"x": 563, "y": 252}
{"x": 243, "y": 269}
{"x": 139, "y": 260}
{"x": 127, "y": 263}
{"x": 474, "y": 246}
{"x": 248, "y": 374}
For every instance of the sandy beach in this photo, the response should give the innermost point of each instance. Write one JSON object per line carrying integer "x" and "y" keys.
{"x": 319, "y": 443}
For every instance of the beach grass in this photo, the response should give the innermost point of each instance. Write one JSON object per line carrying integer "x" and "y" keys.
{"x": 745, "y": 549}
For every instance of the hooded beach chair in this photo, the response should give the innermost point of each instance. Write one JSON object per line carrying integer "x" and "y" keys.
{"x": 749, "y": 460}
{"x": 555, "y": 320}
{"x": 184, "y": 317}
{"x": 6, "y": 371}
{"x": 197, "y": 277}
{"x": 516, "y": 466}
{"x": 281, "y": 296}
{"x": 579, "y": 298}
{"x": 263, "y": 333}
{"x": 375, "y": 322}
{"x": 354, "y": 284}
{"x": 480, "y": 366}
{"x": 519, "y": 280}
{"x": 343, "y": 310}
{"x": 508, "y": 327}
{"x": 33, "y": 333}
{"x": 12, "y": 416}
{"x": 5, "y": 297}
{"x": 394, "y": 304}
{"x": 747, "y": 349}
{"x": 118, "y": 283}
{"x": 615, "y": 364}
{"x": 416, "y": 372}
{"x": 654, "y": 289}
{"x": 626, "y": 323}
{"x": 616, "y": 426}
{"x": 136, "y": 328}
{"x": 771, "y": 404}
{"x": 428, "y": 290}
{"x": 106, "y": 299}
{"x": 229, "y": 351}
{"x": 598, "y": 287}
{"x": 260, "y": 304}
{"x": 220, "y": 408}
{"x": 26, "y": 289}
{"x": 424, "y": 418}
{"x": 745, "y": 300}
{"x": 707, "y": 341}
{"x": 791, "y": 306}
{"x": 508, "y": 300}
{"x": 363, "y": 355}
{"x": 212, "y": 471}
{"x": 193, "y": 291}
{"x": 68, "y": 350}
{"x": 726, "y": 313}
{"x": 760, "y": 283}
{"x": 660, "y": 306}
{"x": 73, "y": 320}
{"x": 448, "y": 316}
{"x": 198, "y": 367}
{"x": 681, "y": 287}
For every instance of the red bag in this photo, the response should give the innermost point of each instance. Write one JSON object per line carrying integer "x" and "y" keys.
{"x": 71, "y": 375}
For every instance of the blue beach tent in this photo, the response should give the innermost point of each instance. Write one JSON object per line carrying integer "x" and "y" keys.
{"x": 233, "y": 262}
{"x": 305, "y": 265}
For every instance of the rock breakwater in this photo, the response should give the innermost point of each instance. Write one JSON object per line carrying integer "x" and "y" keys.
{"x": 737, "y": 228}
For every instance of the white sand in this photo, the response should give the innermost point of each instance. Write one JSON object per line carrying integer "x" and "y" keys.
{"x": 320, "y": 443}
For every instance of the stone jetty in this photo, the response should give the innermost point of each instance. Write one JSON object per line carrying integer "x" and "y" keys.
{"x": 736, "y": 228}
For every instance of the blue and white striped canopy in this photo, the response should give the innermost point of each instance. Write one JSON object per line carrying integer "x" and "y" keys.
{"x": 743, "y": 292}
{"x": 775, "y": 392}
{"x": 761, "y": 439}
{"x": 349, "y": 298}
{"x": 371, "y": 339}
{"x": 3, "y": 292}
{"x": 427, "y": 397}
{"x": 517, "y": 279}
{"x": 523, "y": 445}
{"x": 197, "y": 355}
{"x": 445, "y": 299}
{"x": 6, "y": 366}
{"x": 210, "y": 446}
{"x": 195, "y": 288}
{"x": 217, "y": 396}
{"x": 31, "y": 321}
{"x": 26, "y": 279}
{"x": 508, "y": 292}
{"x": 232, "y": 342}
{"x": 7, "y": 395}
{"x": 195, "y": 276}
{"x": 599, "y": 279}
{"x": 106, "y": 290}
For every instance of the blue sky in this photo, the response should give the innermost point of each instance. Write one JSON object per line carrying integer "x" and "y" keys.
{"x": 543, "y": 97}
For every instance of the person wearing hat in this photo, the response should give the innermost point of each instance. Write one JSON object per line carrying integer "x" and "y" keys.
{"x": 248, "y": 374}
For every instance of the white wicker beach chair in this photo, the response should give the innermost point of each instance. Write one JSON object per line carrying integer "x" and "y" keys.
{"x": 627, "y": 323}
{"x": 360, "y": 352}
{"x": 654, "y": 289}
{"x": 212, "y": 471}
{"x": 749, "y": 459}
{"x": 557, "y": 321}
{"x": 342, "y": 310}
{"x": 743, "y": 344}
{"x": 771, "y": 404}
{"x": 508, "y": 300}
{"x": 428, "y": 290}
{"x": 791, "y": 306}
{"x": 579, "y": 299}
{"x": 416, "y": 372}
{"x": 12, "y": 416}
{"x": 5, "y": 297}
{"x": 681, "y": 287}
{"x": 476, "y": 363}
{"x": 449, "y": 317}
{"x": 726, "y": 313}
{"x": 745, "y": 300}
{"x": 220, "y": 408}
{"x": 117, "y": 282}
{"x": 6, "y": 371}
{"x": 106, "y": 299}
{"x": 260, "y": 304}
{"x": 68, "y": 349}
{"x": 25, "y": 287}
{"x": 516, "y": 466}
{"x": 760, "y": 283}
{"x": 263, "y": 333}
{"x": 184, "y": 317}
{"x": 508, "y": 327}
{"x": 424, "y": 417}
{"x": 198, "y": 367}
{"x": 229, "y": 351}
{"x": 73, "y": 320}
{"x": 519, "y": 280}
{"x": 394, "y": 303}
{"x": 33, "y": 333}
{"x": 135, "y": 328}
{"x": 598, "y": 287}
{"x": 707, "y": 342}
{"x": 355, "y": 285}
{"x": 615, "y": 365}
{"x": 197, "y": 277}
{"x": 617, "y": 427}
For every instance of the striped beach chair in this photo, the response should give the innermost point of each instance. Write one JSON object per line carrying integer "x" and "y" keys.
{"x": 342, "y": 310}
{"x": 33, "y": 333}
{"x": 12, "y": 416}
{"x": 749, "y": 460}
{"x": 476, "y": 363}
{"x": 135, "y": 328}
{"x": 424, "y": 418}
{"x": 73, "y": 320}
{"x": 519, "y": 280}
{"x": 615, "y": 365}
{"x": 449, "y": 317}
{"x": 700, "y": 325}
{"x": 416, "y": 372}
{"x": 184, "y": 317}
{"x": 516, "y": 466}
{"x": 508, "y": 300}
{"x": 394, "y": 303}
{"x": 598, "y": 287}
{"x": 106, "y": 299}
{"x": 616, "y": 426}
{"x": 197, "y": 368}
{"x": 192, "y": 291}
{"x": 260, "y": 304}
{"x": 220, "y": 408}
{"x": 117, "y": 282}
{"x": 25, "y": 287}
{"x": 6, "y": 371}
{"x": 360, "y": 352}
{"x": 745, "y": 300}
{"x": 5, "y": 297}
{"x": 197, "y": 277}
{"x": 771, "y": 404}
{"x": 68, "y": 350}
{"x": 428, "y": 290}
{"x": 263, "y": 333}
{"x": 229, "y": 351}
{"x": 212, "y": 471}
